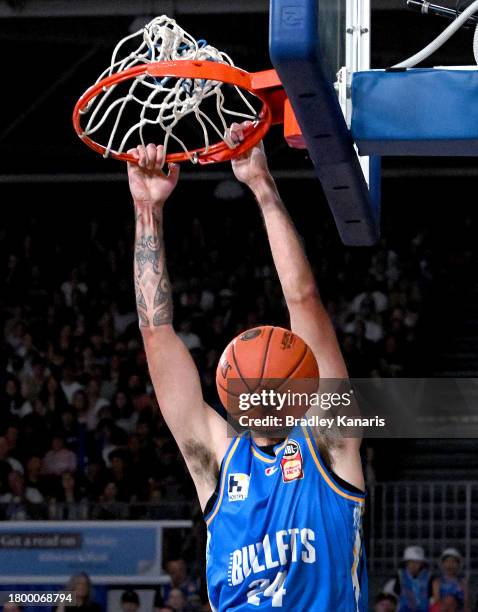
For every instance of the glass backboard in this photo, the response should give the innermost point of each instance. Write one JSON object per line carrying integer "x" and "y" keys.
{"x": 331, "y": 28}
{"x": 344, "y": 40}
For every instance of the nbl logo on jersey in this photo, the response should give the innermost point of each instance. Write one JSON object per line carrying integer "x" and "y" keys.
{"x": 291, "y": 463}
{"x": 238, "y": 487}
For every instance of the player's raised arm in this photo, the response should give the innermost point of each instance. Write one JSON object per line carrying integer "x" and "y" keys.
{"x": 198, "y": 430}
{"x": 308, "y": 316}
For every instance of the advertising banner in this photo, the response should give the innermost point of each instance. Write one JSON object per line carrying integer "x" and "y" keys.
{"x": 110, "y": 552}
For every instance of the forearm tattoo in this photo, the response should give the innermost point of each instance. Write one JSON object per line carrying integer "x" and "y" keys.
{"x": 152, "y": 286}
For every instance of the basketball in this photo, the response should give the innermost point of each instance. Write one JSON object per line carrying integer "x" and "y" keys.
{"x": 262, "y": 359}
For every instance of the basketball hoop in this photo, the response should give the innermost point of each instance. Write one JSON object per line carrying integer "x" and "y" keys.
{"x": 168, "y": 78}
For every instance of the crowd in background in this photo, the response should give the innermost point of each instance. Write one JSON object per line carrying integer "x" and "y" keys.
{"x": 417, "y": 586}
{"x": 79, "y": 421}
{"x": 81, "y": 433}
{"x": 420, "y": 586}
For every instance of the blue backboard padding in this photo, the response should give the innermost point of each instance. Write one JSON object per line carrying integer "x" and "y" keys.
{"x": 420, "y": 111}
{"x": 295, "y": 53}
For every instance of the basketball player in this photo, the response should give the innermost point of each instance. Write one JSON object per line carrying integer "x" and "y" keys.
{"x": 277, "y": 538}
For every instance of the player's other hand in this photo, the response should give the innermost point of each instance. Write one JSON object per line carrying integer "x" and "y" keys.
{"x": 148, "y": 183}
{"x": 250, "y": 167}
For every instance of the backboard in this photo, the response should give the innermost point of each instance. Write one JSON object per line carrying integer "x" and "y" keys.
{"x": 316, "y": 46}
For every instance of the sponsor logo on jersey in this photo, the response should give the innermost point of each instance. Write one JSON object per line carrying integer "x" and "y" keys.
{"x": 238, "y": 487}
{"x": 291, "y": 463}
{"x": 271, "y": 470}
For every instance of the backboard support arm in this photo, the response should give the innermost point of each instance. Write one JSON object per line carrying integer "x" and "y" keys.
{"x": 294, "y": 48}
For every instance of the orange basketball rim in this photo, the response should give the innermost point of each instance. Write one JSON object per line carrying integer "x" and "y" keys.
{"x": 265, "y": 85}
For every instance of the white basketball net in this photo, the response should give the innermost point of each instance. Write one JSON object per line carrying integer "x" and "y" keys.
{"x": 161, "y": 102}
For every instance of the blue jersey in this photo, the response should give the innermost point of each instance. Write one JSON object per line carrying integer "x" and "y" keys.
{"x": 283, "y": 534}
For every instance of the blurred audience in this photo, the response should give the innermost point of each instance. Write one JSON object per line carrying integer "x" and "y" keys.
{"x": 412, "y": 583}
{"x": 81, "y": 586}
{"x": 130, "y": 601}
{"x": 79, "y": 419}
{"x": 450, "y": 586}
{"x": 385, "y": 602}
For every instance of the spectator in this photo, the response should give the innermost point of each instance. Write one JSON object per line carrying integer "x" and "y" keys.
{"x": 19, "y": 492}
{"x": 68, "y": 383}
{"x": 13, "y": 463}
{"x": 19, "y": 501}
{"x": 34, "y": 377}
{"x": 33, "y": 477}
{"x": 52, "y": 395}
{"x": 123, "y": 412}
{"x": 58, "y": 459}
{"x": 120, "y": 475}
{"x": 16, "y": 403}
{"x": 94, "y": 479}
{"x": 70, "y": 430}
{"x": 392, "y": 361}
{"x": 451, "y": 581}
{"x": 11, "y": 436}
{"x": 194, "y": 604}
{"x": 5, "y": 468}
{"x": 15, "y": 335}
{"x": 81, "y": 585}
{"x": 69, "y": 492}
{"x": 109, "y": 508}
{"x": 35, "y": 430}
{"x": 130, "y": 601}
{"x": 177, "y": 571}
{"x": 123, "y": 317}
{"x": 190, "y": 339}
{"x": 107, "y": 439}
{"x": 385, "y": 602}
{"x": 82, "y": 409}
{"x": 110, "y": 382}
{"x": 369, "y": 320}
{"x": 412, "y": 582}
{"x": 95, "y": 402}
{"x": 176, "y": 600}
{"x": 371, "y": 294}
{"x": 448, "y": 603}
{"x": 68, "y": 502}
{"x": 73, "y": 288}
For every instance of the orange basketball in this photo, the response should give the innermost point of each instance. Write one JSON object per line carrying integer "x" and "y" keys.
{"x": 265, "y": 358}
